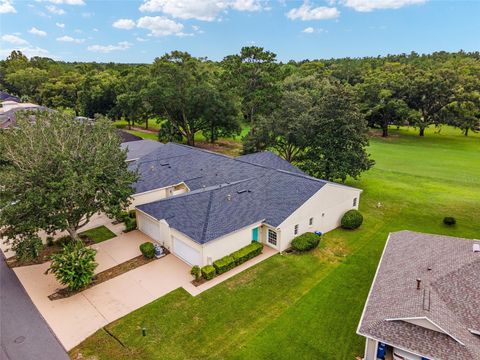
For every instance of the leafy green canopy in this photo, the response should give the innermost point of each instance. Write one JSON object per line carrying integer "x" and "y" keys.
{"x": 57, "y": 173}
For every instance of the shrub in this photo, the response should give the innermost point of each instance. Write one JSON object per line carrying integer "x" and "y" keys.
{"x": 49, "y": 240}
{"x": 130, "y": 224}
{"x": 246, "y": 253}
{"x": 196, "y": 272}
{"x": 148, "y": 250}
{"x": 27, "y": 247}
{"x": 74, "y": 266}
{"x": 208, "y": 272}
{"x": 306, "y": 242}
{"x": 352, "y": 219}
{"x": 448, "y": 220}
{"x": 224, "y": 264}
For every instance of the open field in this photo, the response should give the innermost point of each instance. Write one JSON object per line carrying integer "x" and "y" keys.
{"x": 308, "y": 306}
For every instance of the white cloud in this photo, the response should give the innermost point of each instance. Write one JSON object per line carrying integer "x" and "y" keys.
{"x": 37, "y": 32}
{"x": 87, "y": 15}
{"x": 126, "y": 24}
{"x": 70, "y": 39}
{"x": 6, "y": 7}
{"x": 95, "y": 29}
{"x": 60, "y": 25}
{"x": 307, "y": 12}
{"x": 312, "y": 30}
{"x": 369, "y": 5}
{"x": 13, "y": 39}
{"x": 205, "y": 10}
{"x": 123, "y": 45}
{"x": 160, "y": 26}
{"x": 55, "y": 10}
{"x": 67, "y": 2}
{"x": 141, "y": 39}
{"x": 28, "y": 51}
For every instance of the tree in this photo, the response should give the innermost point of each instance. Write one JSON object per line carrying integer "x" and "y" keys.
{"x": 337, "y": 137}
{"x": 254, "y": 73}
{"x": 27, "y": 81}
{"x": 58, "y": 173}
{"x": 429, "y": 92}
{"x": 381, "y": 94}
{"x": 285, "y": 129}
{"x": 97, "y": 93}
{"x": 184, "y": 92}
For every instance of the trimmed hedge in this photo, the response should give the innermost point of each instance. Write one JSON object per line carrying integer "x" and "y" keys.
{"x": 448, "y": 220}
{"x": 306, "y": 242}
{"x": 208, "y": 272}
{"x": 352, "y": 219}
{"x": 224, "y": 264}
{"x": 148, "y": 250}
{"x": 130, "y": 224}
{"x": 246, "y": 253}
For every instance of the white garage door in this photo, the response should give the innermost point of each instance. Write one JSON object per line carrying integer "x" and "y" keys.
{"x": 186, "y": 252}
{"x": 148, "y": 226}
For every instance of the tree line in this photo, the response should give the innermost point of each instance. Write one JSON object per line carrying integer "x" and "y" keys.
{"x": 314, "y": 113}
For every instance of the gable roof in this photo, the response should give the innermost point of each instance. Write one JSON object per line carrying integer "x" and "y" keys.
{"x": 137, "y": 149}
{"x": 448, "y": 298}
{"x": 271, "y": 160}
{"x": 257, "y": 192}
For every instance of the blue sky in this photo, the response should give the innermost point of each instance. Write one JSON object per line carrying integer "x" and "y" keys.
{"x": 139, "y": 31}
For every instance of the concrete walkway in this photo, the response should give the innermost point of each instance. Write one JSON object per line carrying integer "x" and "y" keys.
{"x": 98, "y": 306}
{"x": 24, "y": 333}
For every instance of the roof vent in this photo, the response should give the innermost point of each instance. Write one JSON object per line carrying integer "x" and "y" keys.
{"x": 243, "y": 191}
{"x": 229, "y": 197}
{"x": 419, "y": 281}
{"x": 164, "y": 164}
{"x": 152, "y": 168}
{"x": 476, "y": 248}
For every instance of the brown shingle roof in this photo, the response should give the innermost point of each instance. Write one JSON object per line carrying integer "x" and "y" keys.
{"x": 448, "y": 298}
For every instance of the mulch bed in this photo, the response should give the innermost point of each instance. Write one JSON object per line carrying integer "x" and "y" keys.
{"x": 199, "y": 282}
{"x": 44, "y": 255}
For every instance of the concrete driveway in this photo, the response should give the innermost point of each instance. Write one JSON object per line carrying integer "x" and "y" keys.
{"x": 75, "y": 318}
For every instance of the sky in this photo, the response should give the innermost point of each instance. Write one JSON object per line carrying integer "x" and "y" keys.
{"x": 138, "y": 31}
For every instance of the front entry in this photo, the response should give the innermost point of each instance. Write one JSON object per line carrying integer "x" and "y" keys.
{"x": 255, "y": 234}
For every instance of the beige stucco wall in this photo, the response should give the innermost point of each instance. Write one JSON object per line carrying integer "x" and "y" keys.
{"x": 157, "y": 194}
{"x": 227, "y": 244}
{"x": 326, "y": 207}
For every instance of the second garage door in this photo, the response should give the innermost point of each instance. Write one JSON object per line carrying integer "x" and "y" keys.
{"x": 148, "y": 226}
{"x": 186, "y": 252}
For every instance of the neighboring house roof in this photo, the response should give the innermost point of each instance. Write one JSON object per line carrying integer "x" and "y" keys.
{"x": 448, "y": 299}
{"x": 271, "y": 160}
{"x": 8, "y": 112}
{"x": 7, "y": 97}
{"x": 137, "y": 149}
{"x": 127, "y": 137}
{"x": 225, "y": 195}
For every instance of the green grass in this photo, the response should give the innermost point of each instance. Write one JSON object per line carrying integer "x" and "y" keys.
{"x": 152, "y": 124}
{"x": 308, "y": 306}
{"x": 98, "y": 234}
{"x": 144, "y": 135}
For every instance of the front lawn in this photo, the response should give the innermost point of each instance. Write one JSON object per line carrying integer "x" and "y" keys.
{"x": 308, "y": 306}
{"x": 97, "y": 234}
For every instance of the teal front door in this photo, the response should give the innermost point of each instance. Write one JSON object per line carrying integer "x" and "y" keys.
{"x": 255, "y": 234}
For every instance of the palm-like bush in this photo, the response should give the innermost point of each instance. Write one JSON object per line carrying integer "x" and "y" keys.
{"x": 74, "y": 266}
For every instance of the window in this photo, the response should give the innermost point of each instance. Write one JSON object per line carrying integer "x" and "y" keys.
{"x": 272, "y": 237}
{"x": 310, "y": 222}
{"x": 355, "y": 202}
{"x": 295, "y": 230}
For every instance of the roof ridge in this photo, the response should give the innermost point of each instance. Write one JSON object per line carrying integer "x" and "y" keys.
{"x": 207, "y": 218}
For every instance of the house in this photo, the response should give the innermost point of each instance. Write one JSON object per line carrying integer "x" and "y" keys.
{"x": 203, "y": 205}
{"x": 424, "y": 302}
{"x": 9, "y": 108}
{"x": 139, "y": 148}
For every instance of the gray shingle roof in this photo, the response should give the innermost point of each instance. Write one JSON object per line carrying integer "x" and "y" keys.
{"x": 449, "y": 296}
{"x": 257, "y": 193}
{"x": 269, "y": 159}
{"x": 137, "y": 149}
